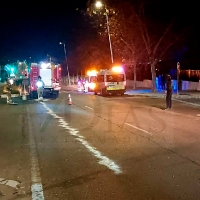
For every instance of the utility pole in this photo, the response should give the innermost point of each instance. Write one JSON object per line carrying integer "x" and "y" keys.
{"x": 99, "y": 5}
{"x": 69, "y": 82}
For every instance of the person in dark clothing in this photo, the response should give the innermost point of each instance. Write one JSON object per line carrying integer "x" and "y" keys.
{"x": 7, "y": 90}
{"x": 168, "y": 91}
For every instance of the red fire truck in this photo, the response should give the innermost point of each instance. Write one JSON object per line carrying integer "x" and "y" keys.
{"x": 50, "y": 74}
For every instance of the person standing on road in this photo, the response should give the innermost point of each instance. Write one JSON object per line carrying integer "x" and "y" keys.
{"x": 7, "y": 90}
{"x": 168, "y": 91}
{"x": 40, "y": 88}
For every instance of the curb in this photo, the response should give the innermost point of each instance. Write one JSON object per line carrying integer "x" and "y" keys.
{"x": 163, "y": 96}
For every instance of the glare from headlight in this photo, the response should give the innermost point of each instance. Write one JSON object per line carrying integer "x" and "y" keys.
{"x": 92, "y": 86}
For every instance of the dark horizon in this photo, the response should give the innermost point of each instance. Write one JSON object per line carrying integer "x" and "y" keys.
{"x": 33, "y": 31}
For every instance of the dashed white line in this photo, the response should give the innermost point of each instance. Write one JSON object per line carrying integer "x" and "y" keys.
{"x": 89, "y": 107}
{"x": 103, "y": 160}
{"x": 36, "y": 187}
{"x": 139, "y": 129}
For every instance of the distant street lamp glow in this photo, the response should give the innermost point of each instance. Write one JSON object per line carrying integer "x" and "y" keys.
{"x": 66, "y": 63}
{"x": 98, "y": 4}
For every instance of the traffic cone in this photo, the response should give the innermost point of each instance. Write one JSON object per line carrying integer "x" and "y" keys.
{"x": 69, "y": 96}
{"x": 70, "y": 101}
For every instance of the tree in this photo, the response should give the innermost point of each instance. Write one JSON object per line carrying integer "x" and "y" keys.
{"x": 89, "y": 55}
{"x": 126, "y": 37}
{"x": 137, "y": 35}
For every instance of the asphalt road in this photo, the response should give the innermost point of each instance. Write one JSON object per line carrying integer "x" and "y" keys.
{"x": 99, "y": 148}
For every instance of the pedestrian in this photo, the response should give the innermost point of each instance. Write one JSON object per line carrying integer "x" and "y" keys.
{"x": 25, "y": 85}
{"x": 7, "y": 90}
{"x": 168, "y": 91}
{"x": 86, "y": 85}
{"x": 40, "y": 87}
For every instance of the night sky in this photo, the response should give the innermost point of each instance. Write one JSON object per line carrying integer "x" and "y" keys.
{"x": 31, "y": 31}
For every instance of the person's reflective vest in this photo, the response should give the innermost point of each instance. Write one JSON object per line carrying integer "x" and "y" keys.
{"x": 40, "y": 84}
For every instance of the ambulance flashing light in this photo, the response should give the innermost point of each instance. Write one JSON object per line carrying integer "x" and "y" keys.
{"x": 92, "y": 73}
{"x": 117, "y": 69}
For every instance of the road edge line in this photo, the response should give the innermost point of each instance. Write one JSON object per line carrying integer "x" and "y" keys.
{"x": 36, "y": 185}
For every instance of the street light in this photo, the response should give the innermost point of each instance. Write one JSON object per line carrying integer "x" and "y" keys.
{"x": 69, "y": 82}
{"x": 99, "y": 5}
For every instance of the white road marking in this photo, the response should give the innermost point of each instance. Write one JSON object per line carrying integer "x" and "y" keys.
{"x": 103, "y": 160}
{"x": 139, "y": 129}
{"x": 36, "y": 187}
{"x": 41, "y": 100}
{"x": 89, "y": 107}
{"x": 10, "y": 183}
{"x": 189, "y": 103}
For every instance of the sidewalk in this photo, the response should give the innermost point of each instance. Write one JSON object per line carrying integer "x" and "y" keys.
{"x": 147, "y": 92}
{"x": 161, "y": 94}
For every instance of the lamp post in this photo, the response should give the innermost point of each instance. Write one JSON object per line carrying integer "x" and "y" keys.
{"x": 99, "y": 5}
{"x": 69, "y": 82}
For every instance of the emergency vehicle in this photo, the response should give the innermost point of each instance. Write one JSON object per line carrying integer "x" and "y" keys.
{"x": 89, "y": 82}
{"x": 111, "y": 81}
{"x": 51, "y": 76}
{"x": 92, "y": 78}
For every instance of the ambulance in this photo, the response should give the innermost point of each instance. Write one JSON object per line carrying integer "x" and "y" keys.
{"x": 111, "y": 81}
